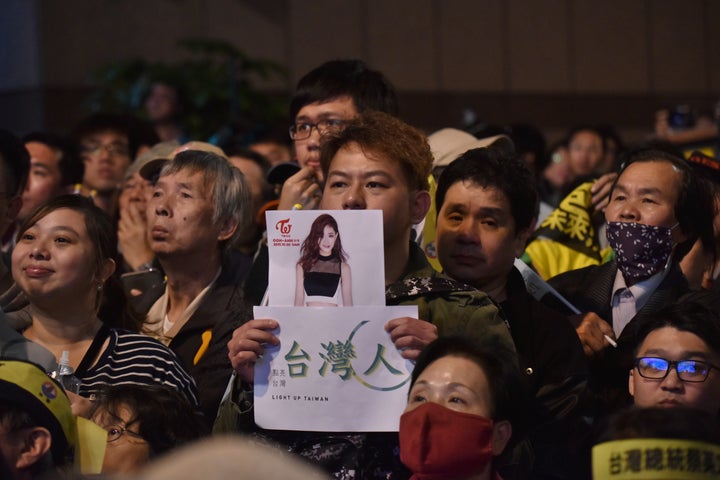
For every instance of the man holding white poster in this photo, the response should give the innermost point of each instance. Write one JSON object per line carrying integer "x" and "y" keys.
{"x": 376, "y": 163}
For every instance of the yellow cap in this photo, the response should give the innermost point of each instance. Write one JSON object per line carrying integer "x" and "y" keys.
{"x": 28, "y": 387}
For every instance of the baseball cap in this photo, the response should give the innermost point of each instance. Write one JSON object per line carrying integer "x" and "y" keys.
{"x": 449, "y": 143}
{"x": 151, "y": 169}
{"x": 162, "y": 150}
{"x": 27, "y": 387}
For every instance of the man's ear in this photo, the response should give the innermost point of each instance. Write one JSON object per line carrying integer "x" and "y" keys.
{"x": 419, "y": 206}
{"x": 36, "y": 443}
{"x": 502, "y": 431}
{"x": 631, "y": 383}
{"x": 520, "y": 241}
{"x": 228, "y": 230}
{"x": 108, "y": 268}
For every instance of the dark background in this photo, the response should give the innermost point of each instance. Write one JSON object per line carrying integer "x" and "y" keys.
{"x": 554, "y": 63}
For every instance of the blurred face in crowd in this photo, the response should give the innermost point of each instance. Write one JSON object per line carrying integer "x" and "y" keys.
{"x": 585, "y": 151}
{"x": 135, "y": 191}
{"x": 674, "y": 345}
{"x": 334, "y": 113}
{"x": 162, "y": 102}
{"x": 275, "y": 152}
{"x": 255, "y": 179}
{"x": 44, "y": 180}
{"x": 256, "y": 182}
{"x": 106, "y": 156}
{"x": 477, "y": 240}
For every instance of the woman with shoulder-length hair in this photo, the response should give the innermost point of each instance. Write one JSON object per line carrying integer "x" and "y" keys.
{"x": 322, "y": 275}
{"x": 64, "y": 255}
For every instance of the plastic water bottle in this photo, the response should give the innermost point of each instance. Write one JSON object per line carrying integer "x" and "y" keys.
{"x": 66, "y": 375}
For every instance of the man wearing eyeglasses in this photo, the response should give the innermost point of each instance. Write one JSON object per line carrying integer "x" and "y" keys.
{"x": 325, "y": 99}
{"x": 107, "y": 144}
{"x": 657, "y": 209}
{"x": 677, "y": 360}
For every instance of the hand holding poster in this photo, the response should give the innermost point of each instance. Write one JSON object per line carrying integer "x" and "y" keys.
{"x": 335, "y": 370}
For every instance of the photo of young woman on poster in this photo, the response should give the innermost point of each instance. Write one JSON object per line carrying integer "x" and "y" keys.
{"x": 323, "y": 276}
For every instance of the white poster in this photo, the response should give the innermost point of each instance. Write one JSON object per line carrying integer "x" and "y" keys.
{"x": 335, "y": 370}
{"x": 325, "y": 258}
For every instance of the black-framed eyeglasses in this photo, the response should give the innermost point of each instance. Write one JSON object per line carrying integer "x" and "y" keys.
{"x": 116, "y": 431}
{"x": 93, "y": 150}
{"x": 301, "y": 131}
{"x": 656, "y": 368}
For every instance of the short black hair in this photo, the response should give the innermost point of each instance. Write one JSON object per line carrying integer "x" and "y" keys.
{"x": 389, "y": 139}
{"x": 138, "y": 132}
{"x": 528, "y": 138}
{"x": 369, "y": 89}
{"x": 687, "y": 315}
{"x": 69, "y": 164}
{"x": 684, "y": 423}
{"x": 507, "y": 392}
{"x": 489, "y": 167}
{"x": 695, "y": 206}
{"x": 15, "y": 164}
{"x": 584, "y": 128}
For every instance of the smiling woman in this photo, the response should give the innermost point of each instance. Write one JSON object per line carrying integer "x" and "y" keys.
{"x": 64, "y": 255}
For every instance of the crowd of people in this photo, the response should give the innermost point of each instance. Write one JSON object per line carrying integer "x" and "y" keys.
{"x": 137, "y": 255}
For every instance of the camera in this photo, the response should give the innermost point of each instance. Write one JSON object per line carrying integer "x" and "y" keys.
{"x": 682, "y": 117}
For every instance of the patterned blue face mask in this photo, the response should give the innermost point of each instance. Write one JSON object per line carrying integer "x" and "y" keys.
{"x": 641, "y": 250}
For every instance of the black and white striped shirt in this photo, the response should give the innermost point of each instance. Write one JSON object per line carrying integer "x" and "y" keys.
{"x": 132, "y": 358}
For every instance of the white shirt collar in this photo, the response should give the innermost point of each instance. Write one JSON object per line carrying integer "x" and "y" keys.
{"x": 642, "y": 290}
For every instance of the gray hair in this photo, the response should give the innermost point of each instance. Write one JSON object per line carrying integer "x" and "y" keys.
{"x": 230, "y": 192}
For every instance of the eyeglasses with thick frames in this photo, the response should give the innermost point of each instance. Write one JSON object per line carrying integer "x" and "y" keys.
{"x": 656, "y": 368}
{"x": 301, "y": 131}
{"x": 116, "y": 431}
{"x": 93, "y": 150}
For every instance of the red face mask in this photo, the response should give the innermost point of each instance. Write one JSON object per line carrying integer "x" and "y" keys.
{"x": 438, "y": 443}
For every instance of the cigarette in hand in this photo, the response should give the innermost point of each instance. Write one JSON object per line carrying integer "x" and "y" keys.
{"x": 610, "y": 341}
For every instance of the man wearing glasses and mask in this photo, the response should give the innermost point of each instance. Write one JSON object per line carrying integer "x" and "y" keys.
{"x": 656, "y": 211}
